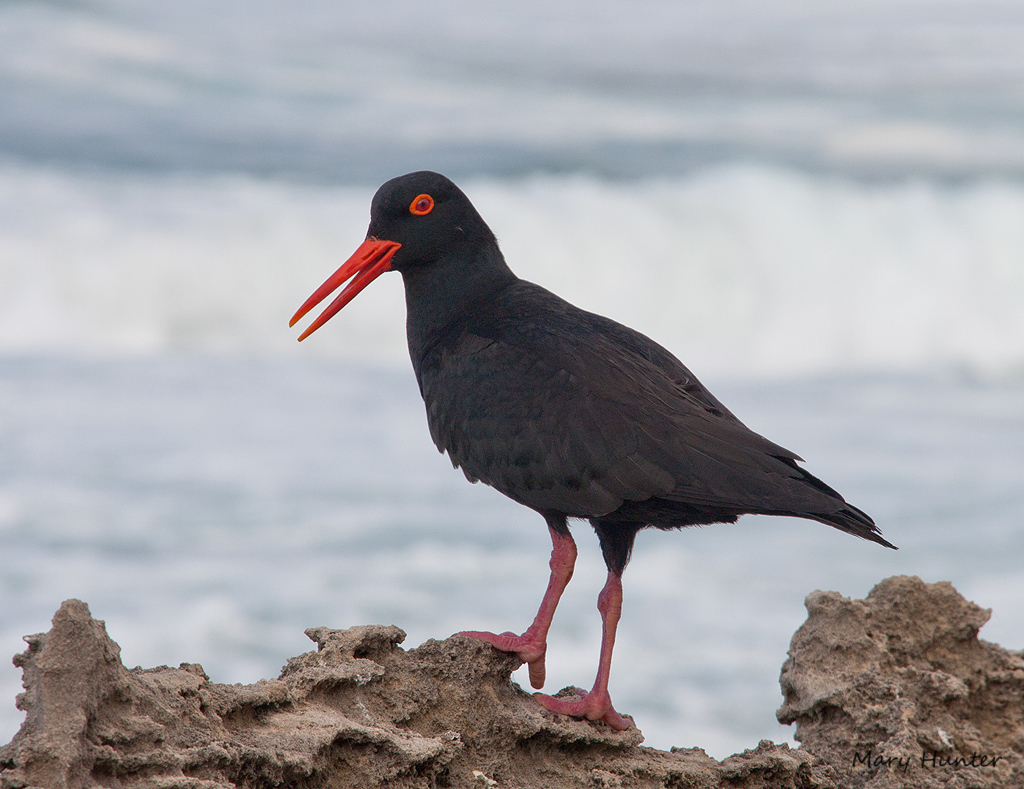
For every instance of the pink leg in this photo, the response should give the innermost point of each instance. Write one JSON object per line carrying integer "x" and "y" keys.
{"x": 532, "y": 645}
{"x": 597, "y": 705}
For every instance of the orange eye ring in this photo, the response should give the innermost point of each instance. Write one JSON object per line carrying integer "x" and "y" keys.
{"x": 421, "y": 205}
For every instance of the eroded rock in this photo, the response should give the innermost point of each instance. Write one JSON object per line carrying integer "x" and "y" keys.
{"x": 896, "y": 673}
{"x": 896, "y": 690}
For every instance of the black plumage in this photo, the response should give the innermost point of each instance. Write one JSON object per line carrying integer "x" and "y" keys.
{"x": 564, "y": 411}
{"x": 574, "y": 415}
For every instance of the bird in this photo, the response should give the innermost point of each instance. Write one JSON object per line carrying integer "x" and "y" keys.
{"x": 564, "y": 411}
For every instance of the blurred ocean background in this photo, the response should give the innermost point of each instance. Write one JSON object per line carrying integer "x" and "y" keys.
{"x": 818, "y": 206}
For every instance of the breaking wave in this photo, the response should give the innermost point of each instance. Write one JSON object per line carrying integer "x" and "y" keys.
{"x": 739, "y": 270}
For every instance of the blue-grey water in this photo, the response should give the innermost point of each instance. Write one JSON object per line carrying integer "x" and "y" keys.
{"x": 818, "y": 206}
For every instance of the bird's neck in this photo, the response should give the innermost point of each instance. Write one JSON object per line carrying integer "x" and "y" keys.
{"x": 438, "y": 295}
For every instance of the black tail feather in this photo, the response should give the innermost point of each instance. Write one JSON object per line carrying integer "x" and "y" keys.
{"x": 849, "y": 519}
{"x": 852, "y": 521}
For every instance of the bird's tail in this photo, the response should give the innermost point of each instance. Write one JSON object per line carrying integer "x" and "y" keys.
{"x": 847, "y": 518}
{"x": 853, "y": 521}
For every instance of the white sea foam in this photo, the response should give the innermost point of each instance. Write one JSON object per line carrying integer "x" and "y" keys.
{"x": 742, "y": 270}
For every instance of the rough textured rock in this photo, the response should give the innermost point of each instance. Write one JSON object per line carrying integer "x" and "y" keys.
{"x": 896, "y": 690}
{"x": 896, "y": 673}
{"x": 358, "y": 712}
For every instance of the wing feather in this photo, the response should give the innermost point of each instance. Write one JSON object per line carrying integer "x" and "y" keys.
{"x": 567, "y": 411}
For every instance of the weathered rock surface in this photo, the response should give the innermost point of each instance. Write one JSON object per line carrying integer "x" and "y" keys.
{"x": 897, "y": 674}
{"x": 896, "y": 690}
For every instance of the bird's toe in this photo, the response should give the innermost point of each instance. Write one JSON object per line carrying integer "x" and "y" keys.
{"x": 530, "y": 649}
{"x": 596, "y": 705}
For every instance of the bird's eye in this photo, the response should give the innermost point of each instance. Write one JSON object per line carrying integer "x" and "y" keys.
{"x": 421, "y": 205}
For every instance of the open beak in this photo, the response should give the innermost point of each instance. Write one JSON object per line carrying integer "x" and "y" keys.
{"x": 371, "y": 260}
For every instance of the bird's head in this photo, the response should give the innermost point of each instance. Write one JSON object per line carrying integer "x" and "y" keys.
{"x": 416, "y": 221}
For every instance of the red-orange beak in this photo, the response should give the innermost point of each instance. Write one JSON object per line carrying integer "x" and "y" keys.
{"x": 371, "y": 260}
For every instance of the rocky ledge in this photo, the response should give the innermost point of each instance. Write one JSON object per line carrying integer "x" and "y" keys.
{"x": 894, "y": 690}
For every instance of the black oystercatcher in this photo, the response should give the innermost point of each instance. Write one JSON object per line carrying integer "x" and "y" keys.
{"x": 564, "y": 411}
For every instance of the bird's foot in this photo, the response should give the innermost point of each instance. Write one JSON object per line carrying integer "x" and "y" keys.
{"x": 530, "y": 648}
{"x": 596, "y": 705}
